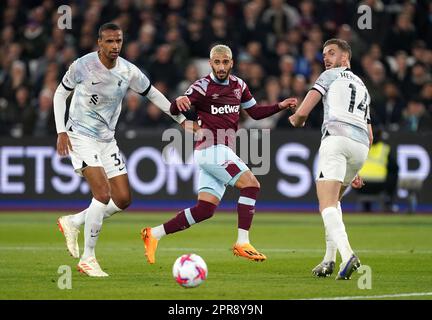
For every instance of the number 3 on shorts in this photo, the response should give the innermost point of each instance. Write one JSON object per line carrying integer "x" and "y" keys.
{"x": 118, "y": 159}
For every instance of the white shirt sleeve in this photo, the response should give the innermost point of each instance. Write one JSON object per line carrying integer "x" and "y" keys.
{"x": 59, "y": 103}
{"x": 139, "y": 82}
{"x": 324, "y": 81}
{"x": 70, "y": 80}
{"x": 163, "y": 103}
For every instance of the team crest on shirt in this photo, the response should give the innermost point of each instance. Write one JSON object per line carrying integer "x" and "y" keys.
{"x": 237, "y": 93}
{"x": 215, "y": 96}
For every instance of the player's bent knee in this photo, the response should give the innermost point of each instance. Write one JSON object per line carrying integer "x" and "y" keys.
{"x": 248, "y": 180}
{"x": 102, "y": 196}
{"x": 203, "y": 210}
{"x": 123, "y": 202}
{"x": 255, "y": 184}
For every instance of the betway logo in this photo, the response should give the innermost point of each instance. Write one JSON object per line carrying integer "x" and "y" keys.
{"x": 225, "y": 109}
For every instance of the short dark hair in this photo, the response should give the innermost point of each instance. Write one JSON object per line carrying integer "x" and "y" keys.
{"x": 107, "y": 26}
{"x": 342, "y": 44}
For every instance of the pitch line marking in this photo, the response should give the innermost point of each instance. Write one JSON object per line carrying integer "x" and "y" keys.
{"x": 397, "y": 295}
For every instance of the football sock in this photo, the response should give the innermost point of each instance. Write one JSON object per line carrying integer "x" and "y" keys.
{"x": 331, "y": 248}
{"x": 336, "y": 230}
{"x": 184, "y": 219}
{"x": 243, "y": 236}
{"x": 158, "y": 232}
{"x": 246, "y": 207}
{"x": 92, "y": 227}
{"x": 79, "y": 218}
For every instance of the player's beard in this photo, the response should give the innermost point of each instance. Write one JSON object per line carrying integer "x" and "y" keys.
{"x": 225, "y": 76}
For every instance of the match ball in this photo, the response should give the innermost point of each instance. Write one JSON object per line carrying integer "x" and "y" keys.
{"x": 190, "y": 270}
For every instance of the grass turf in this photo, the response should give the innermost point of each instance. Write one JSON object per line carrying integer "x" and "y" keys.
{"x": 397, "y": 248}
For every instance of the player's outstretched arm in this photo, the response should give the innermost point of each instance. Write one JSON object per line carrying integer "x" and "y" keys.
{"x": 163, "y": 103}
{"x": 63, "y": 143}
{"x": 258, "y": 112}
{"x": 298, "y": 119}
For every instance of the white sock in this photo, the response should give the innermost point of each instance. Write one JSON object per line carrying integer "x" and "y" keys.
{"x": 79, "y": 218}
{"x": 243, "y": 236}
{"x": 331, "y": 248}
{"x": 158, "y": 232}
{"x": 111, "y": 209}
{"x": 336, "y": 229}
{"x": 92, "y": 227}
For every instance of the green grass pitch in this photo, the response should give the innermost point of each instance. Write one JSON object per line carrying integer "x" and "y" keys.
{"x": 397, "y": 248}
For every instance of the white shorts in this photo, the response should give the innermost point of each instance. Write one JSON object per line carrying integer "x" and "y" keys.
{"x": 88, "y": 152}
{"x": 340, "y": 158}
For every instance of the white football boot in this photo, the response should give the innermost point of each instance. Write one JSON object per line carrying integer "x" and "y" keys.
{"x": 71, "y": 234}
{"x": 91, "y": 267}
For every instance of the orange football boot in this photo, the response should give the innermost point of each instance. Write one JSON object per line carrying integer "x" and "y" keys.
{"x": 246, "y": 250}
{"x": 150, "y": 244}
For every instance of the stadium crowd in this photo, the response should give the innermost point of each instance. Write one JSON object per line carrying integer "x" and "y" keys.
{"x": 276, "y": 45}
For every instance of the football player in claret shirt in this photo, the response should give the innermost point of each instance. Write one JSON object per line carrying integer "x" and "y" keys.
{"x": 217, "y": 99}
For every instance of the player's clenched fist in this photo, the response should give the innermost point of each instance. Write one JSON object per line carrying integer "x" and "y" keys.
{"x": 183, "y": 103}
{"x": 63, "y": 144}
{"x": 290, "y": 103}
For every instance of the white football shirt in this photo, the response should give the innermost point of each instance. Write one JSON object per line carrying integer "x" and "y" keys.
{"x": 346, "y": 104}
{"x": 96, "y": 102}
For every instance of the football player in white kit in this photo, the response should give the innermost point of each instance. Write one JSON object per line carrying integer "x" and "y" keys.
{"x": 100, "y": 80}
{"x": 346, "y": 138}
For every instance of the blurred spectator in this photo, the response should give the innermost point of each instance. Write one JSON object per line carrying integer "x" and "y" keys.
{"x": 155, "y": 118}
{"x": 22, "y": 114}
{"x": 44, "y": 124}
{"x": 309, "y": 55}
{"x": 196, "y": 39}
{"x": 270, "y": 95}
{"x": 132, "y": 114}
{"x": 35, "y": 35}
{"x": 402, "y": 35}
{"x": 426, "y": 96}
{"x": 178, "y": 47}
{"x": 255, "y": 78}
{"x": 375, "y": 84}
{"x": 419, "y": 51}
{"x": 390, "y": 113}
{"x": 251, "y": 28}
{"x": 307, "y": 15}
{"x": 191, "y": 75}
{"x": 380, "y": 173}
{"x": 40, "y": 65}
{"x": 400, "y": 69}
{"x": 280, "y": 17}
{"x": 418, "y": 78}
{"x": 15, "y": 78}
{"x": 162, "y": 67}
{"x": 146, "y": 42}
{"x": 415, "y": 118}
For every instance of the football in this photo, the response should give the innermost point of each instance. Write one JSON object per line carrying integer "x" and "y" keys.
{"x": 190, "y": 270}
